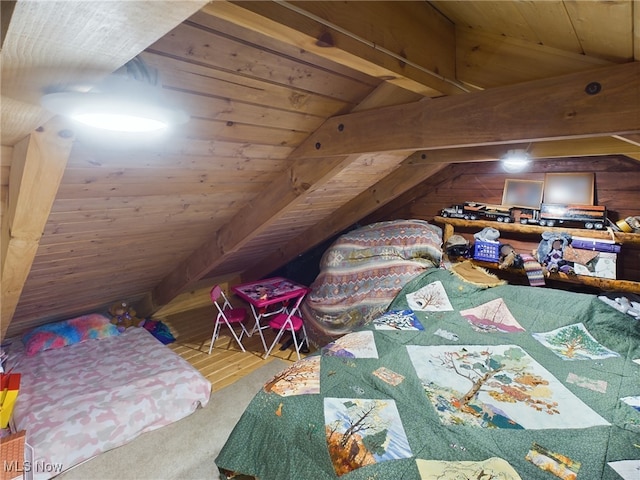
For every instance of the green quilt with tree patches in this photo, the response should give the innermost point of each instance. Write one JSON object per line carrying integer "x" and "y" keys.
{"x": 455, "y": 381}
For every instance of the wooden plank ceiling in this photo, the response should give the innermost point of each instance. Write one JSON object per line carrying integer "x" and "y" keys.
{"x": 305, "y": 117}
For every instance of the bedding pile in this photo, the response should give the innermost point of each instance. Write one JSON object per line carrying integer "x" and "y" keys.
{"x": 456, "y": 380}
{"x": 362, "y": 272}
{"x": 89, "y": 397}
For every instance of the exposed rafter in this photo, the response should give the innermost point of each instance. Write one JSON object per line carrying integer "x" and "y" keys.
{"x": 37, "y": 167}
{"x": 411, "y": 172}
{"x": 504, "y": 115}
{"x": 413, "y": 49}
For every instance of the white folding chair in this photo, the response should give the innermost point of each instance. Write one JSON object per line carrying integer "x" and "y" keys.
{"x": 289, "y": 321}
{"x": 227, "y": 315}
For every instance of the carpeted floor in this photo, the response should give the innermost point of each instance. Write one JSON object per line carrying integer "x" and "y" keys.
{"x": 185, "y": 450}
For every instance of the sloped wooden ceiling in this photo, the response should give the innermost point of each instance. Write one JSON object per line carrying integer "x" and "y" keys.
{"x": 305, "y": 117}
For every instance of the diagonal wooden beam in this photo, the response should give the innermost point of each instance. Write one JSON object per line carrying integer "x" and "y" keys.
{"x": 409, "y": 44}
{"x": 285, "y": 192}
{"x": 37, "y": 166}
{"x": 301, "y": 178}
{"x": 411, "y": 172}
{"x": 549, "y": 109}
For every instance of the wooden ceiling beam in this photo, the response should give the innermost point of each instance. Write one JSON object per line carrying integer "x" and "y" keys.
{"x": 409, "y": 44}
{"x": 548, "y": 109}
{"x": 584, "y": 147}
{"x": 37, "y": 167}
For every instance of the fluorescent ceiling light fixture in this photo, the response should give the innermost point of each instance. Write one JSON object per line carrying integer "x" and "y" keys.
{"x": 118, "y": 104}
{"x": 515, "y": 160}
{"x": 114, "y": 111}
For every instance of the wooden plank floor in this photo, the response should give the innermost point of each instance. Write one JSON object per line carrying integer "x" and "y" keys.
{"x": 227, "y": 363}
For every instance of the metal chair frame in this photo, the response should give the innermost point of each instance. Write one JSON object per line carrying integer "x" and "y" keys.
{"x": 227, "y": 315}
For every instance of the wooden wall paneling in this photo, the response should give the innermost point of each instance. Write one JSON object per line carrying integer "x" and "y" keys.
{"x": 302, "y": 179}
{"x": 181, "y": 146}
{"x": 205, "y": 80}
{"x": 178, "y": 152}
{"x": 122, "y": 221}
{"x": 139, "y": 176}
{"x": 145, "y": 204}
{"x": 551, "y": 24}
{"x": 213, "y": 50}
{"x": 489, "y": 60}
{"x": 102, "y": 266}
{"x": 212, "y": 108}
{"x": 617, "y": 42}
{"x": 116, "y": 238}
{"x": 170, "y": 188}
{"x": 240, "y": 133}
{"x": 487, "y": 16}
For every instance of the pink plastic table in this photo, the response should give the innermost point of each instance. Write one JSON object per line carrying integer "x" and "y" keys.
{"x": 265, "y": 293}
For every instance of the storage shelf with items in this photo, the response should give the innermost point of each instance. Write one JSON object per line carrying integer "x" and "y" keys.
{"x": 630, "y": 239}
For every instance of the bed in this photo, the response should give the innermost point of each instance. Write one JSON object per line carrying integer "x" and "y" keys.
{"x": 83, "y": 399}
{"x": 456, "y": 380}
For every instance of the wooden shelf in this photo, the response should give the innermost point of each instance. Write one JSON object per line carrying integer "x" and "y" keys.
{"x": 620, "y": 237}
{"x": 597, "y": 282}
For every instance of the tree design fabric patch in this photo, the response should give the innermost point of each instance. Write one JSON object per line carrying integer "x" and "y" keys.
{"x": 497, "y": 386}
{"x": 574, "y": 342}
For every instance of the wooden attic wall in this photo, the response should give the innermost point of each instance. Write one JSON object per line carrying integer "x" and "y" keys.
{"x": 617, "y": 180}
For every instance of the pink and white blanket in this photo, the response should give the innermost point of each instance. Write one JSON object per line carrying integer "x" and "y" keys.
{"x": 84, "y": 399}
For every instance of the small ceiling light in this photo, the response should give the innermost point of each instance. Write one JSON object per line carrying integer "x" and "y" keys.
{"x": 131, "y": 101}
{"x": 515, "y": 160}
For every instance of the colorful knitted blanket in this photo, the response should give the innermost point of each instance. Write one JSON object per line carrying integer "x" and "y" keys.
{"x": 362, "y": 272}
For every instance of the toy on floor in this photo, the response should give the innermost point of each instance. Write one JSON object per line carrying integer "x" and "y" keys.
{"x": 123, "y": 316}
{"x": 550, "y": 253}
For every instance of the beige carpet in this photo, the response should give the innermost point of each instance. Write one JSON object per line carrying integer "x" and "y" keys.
{"x": 184, "y": 450}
